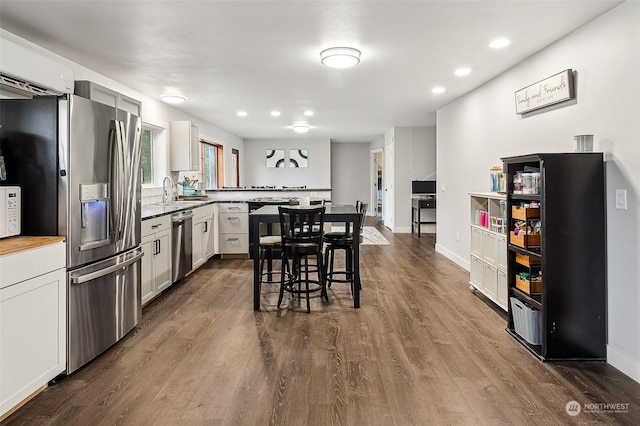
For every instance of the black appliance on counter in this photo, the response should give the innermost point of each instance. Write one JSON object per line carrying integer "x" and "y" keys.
{"x": 423, "y": 187}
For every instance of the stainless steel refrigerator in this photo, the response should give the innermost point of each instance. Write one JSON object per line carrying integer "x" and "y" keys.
{"x": 78, "y": 164}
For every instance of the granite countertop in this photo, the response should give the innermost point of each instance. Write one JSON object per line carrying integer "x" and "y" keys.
{"x": 265, "y": 189}
{"x": 19, "y": 243}
{"x": 150, "y": 211}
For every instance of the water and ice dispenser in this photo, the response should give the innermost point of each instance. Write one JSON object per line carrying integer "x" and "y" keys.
{"x": 94, "y": 214}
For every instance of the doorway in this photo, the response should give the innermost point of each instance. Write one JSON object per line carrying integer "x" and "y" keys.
{"x": 377, "y": 187}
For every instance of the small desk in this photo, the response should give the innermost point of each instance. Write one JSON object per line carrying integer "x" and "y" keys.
{"x": 269, "y": 214}
{"x": 418, "y": 202}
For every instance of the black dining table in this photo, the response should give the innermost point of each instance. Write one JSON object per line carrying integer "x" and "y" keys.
{"x": 269, "y": 214}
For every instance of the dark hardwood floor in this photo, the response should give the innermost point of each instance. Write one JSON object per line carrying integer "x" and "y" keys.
{"x": 422, "y": 350}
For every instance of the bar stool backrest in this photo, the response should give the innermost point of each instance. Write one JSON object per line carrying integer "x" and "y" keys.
{"x": 301, "y": 225}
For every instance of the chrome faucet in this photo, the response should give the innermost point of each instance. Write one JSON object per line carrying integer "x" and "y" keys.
{"x": 166, "y": 196}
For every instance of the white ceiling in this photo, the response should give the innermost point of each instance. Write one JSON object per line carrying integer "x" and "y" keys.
{"x": 258, "y": 56}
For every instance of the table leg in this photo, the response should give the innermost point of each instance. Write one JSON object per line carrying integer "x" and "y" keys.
{"x": 254, "y": 235}
{"x": 419, "y": 220}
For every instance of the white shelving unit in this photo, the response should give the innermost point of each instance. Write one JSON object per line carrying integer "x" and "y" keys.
{"x": 489, "y": 246}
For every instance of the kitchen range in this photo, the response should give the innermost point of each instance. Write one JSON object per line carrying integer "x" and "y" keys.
{"x": 76, "y": 162}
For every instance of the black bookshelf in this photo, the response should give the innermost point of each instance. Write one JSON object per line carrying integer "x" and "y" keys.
{"x": 572, "y": 254}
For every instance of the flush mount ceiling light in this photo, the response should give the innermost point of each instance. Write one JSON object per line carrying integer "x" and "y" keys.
{"x": 300, "y": 128}
{"x": 340, "y": 57}
{"x": 275, "y": 113}
{"x": 173, "y": 99}
{"x": 462, "y": 71}
{"x": 499, "y": 43}
{"x": 242, "y": 113}
{"x": 438, "y": 89}
{"x": 308, "y": 113}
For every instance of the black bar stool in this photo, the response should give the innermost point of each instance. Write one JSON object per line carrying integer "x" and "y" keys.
{"x": 340, "y": 240}
{"x": 301, "y": 231}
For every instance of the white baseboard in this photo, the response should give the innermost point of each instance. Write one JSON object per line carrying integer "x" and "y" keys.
{"x": 453, "y": 257}
{"x": 623, "y": 362}
{"x": 402, "y": 230}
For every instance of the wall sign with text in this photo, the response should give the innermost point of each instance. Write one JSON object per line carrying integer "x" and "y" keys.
{"x": 552, "y": 90}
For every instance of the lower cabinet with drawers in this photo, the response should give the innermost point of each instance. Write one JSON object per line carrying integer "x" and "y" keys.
{"x": 156, "y": 262}
{"x": 233, "y": 228}
{"x": 202, "y": 235}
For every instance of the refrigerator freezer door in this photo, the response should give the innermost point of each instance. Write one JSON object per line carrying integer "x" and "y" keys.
{"x": 104, "y": 305}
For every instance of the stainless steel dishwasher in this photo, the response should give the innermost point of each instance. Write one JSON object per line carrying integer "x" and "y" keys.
{"x": 182, "y": 255}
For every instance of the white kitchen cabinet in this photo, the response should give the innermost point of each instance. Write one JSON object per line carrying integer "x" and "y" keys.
{"x": 33, "y": 309}
{"x": 93, "y": 91}
{"x": 233, "y": 228}
{"x": 156, "y": 262}
{"x": 488, "y": 248}
{"x": 184, "y": 145}
{"x": 202, "y": 235}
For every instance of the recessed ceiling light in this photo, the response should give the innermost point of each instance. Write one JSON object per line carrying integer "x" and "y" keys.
{"x": 173, "y": 99}
{"x": 340, "y": 57}
{"x": 242, "y": 113}
{"x": 300, "y": 128}
{"x": 462, "y": 72}
{"x": 308, "y": 113}
{"x": 499, "y": 43}
{"x": 438, "y": 89}
{"x": 275, "y": 113}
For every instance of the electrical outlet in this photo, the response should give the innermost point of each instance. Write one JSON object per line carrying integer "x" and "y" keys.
{"x": 443, "y": 187}
{"x": 457, "y": 235}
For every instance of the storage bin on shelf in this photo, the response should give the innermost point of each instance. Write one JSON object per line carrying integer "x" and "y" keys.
{"x": 498, "y": 224}
{"x": 524, "y": 240}
{"x": 530, "y": 280}
{"x": 526, "y": 232}
{"x": 526, "y": 260}
{"x": 530, "y": 285}
{"x": 526, "y": 321}
{"x": 525, "y": 213}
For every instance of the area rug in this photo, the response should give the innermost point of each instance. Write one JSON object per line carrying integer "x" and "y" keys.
{"x": 370, "y": 236}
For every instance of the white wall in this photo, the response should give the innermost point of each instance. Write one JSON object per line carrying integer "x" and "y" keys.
{"x": 154, "y": 112}
{"x": 317, "y": 175}
{"x": 414, "y": 159}
{"x": 350, "y": 172}
{"x": 479, "y": 128}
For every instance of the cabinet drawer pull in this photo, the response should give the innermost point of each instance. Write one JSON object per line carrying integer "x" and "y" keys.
{"x": 155, "y": 226}
{"x": 233, "y": 218}
{"x": 233, "y": 239}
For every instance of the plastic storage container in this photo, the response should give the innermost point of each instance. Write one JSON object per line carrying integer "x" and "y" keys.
{"x": 526, "y": 321}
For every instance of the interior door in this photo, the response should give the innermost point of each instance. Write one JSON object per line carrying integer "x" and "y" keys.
{"x": 387, "y": 195}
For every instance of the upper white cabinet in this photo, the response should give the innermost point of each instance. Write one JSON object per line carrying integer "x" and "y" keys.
{"x": 184, "y": 142}
{"x": 95, "y": 92}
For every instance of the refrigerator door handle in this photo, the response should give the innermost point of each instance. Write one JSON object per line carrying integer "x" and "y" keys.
{"x": 97, "y": 274}
{"x": 119, "y": 178}
{"x": 132, "y": 152}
